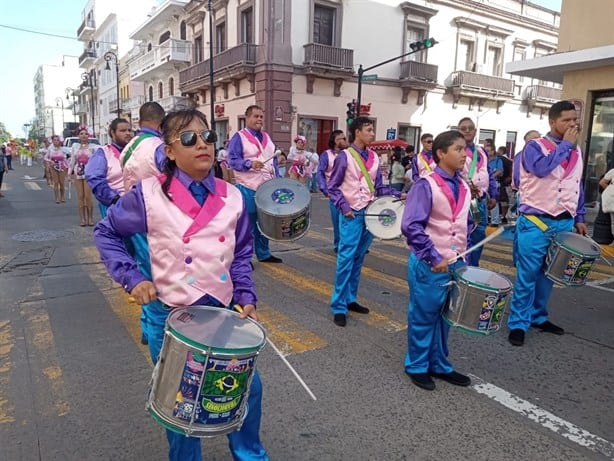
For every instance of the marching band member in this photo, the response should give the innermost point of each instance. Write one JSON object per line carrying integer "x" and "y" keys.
{"x": 104, "y": 171}
{"x": 423, "y": 163}
{"x": 59, "y": 167}
{"x": 484, "y": 187}
{"x": 355, "y": 181}
{"x": 435, "y": 222}
{"x": 551, "y": 201}
{"x": 336, "y": 143}
{"x": 187, "y": 211}
{"x": 299, "y": 159}
{"x": 251, "y": 155}
{"x": 81, "y": 152}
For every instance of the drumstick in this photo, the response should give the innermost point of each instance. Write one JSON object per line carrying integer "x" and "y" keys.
{"x": 290, "y": 367}
{"x": 496, "y": 233}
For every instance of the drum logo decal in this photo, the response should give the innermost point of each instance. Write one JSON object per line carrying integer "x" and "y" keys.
{"x": 492, "y": 312}
{"x": 185, "y": 317}
{"x": 227, "y": 384}
{"x": 282, "y": 196}
{"x": 387, "y": 217}
{"x": 577, "y": 269}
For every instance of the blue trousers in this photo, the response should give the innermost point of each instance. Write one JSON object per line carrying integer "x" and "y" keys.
{"x": 245, "y": 444}
{"x": 354, "y": 241}
{"x": 103, "y": 210}
{"x": 141, "y": 254}
{"x": 427, "y": 331}
{"x": 334, "y": 217}
{"x": 532, "y": 288}
{"x": 478, "y": 234}
{"x": 261, "y": 243}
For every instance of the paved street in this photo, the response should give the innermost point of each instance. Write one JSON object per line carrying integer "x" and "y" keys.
{"x": 74, "y": 376}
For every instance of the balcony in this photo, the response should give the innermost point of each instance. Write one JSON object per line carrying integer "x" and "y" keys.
{"x": 325, "y": 59}
{"x": 86, "y": 30}
{"x": 80, "y": 108}
{"x": 419, "y": 72}
{"x": 171, "y": 103}
{"x": 135, "y": 102}
{"x": 479, "y": 87}
{"x": 87, "y": 58}
{"x": 541, "y": 96}
{"x": 232, "y": 64}
{"x": 161, "y": 60}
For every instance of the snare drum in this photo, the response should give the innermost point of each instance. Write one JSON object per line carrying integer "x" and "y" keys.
{"x": 478, "y": 300}
{"x": 570, "y": 258}
{"x": 283, "y": 206}
{"x": 383, "y": 217}
{"x": 201, "y": 381}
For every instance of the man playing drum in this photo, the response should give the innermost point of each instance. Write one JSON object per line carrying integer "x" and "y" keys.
{"x": 251, "y": 155}
{"x": 551, "y": 201}
{"x": 354, "y": 183}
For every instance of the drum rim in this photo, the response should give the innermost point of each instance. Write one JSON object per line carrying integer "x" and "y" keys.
{"x": 480, "y": 286}
{"x": 200, "y": 431}
{"x": 471, "y": 331}
{"x": 573, "y": 250}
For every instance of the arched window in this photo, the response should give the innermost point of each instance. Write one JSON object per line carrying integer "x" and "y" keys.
{"x": 149, "y": 47}
{"x": 160, "y": 90}
{"x": 183, "y": 31}
{"x": 164, "y": 37}
{"x": 171, "y": 86}
{"x": 150, "y": 93}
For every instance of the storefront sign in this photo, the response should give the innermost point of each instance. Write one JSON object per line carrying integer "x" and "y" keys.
{"x": 391, "y": 133}
{"x": 219, "y": 110}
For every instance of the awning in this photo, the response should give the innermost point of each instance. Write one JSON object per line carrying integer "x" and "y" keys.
{"x": 552, "y": 67}
{"x": 388, "y": 144}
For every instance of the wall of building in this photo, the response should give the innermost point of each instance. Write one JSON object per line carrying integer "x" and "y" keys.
{"x": 582, "y": 28}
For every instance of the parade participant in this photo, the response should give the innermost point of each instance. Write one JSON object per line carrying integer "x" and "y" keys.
{"x": 532, "y": 134}
{"x": 495, "y": 169}
{"x": 336, "y": 143}
{"x": 81, "y": 153}
{"x": 300, "y": 160}
{"x": 10, "y": 148}
{"x": 483, "y": 185}
{"x": 551, "y": 201}
{"x": 435, "y": 222}
{"x": 3, "y": 166}
{"x": 355, "y": 181}
{"x": 187, "y": 200}
{"x": 423, "y": 163}
{"x": 141, "y": 157}
{"x": 251, "y": 155}
{"x": 59, "y": 167}
{"x": 104, "y": 172}
{"x": 222, "y": 160}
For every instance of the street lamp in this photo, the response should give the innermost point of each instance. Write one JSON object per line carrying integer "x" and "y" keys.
{"x": 87, "y": 81}
{"x": 59, "y": 102}
{"x": 108, "y": 56}
{"x": 26, "y": 130}
{"x": 70, "y": 91}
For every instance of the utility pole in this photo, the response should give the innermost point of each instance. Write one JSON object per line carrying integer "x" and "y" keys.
{"x": 211, "y": 79}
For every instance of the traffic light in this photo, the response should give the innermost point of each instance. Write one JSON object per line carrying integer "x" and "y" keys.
{"x": 423, "y": 44}
{"x": 351, "y": 112}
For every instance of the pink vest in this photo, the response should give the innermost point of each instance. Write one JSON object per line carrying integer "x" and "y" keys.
{"x": 142, "y": 162}
{"x": 559, "y": 191}
{"x": 447, "y": 225}
{"x": 253, "y": 150}
{"x": 191, "y": 247}
{"x": 480, "y": 178}
{"x": 425, "y": 165}
{"x": 354, "y": 187}
{"x": 115, "y": 177}
{"x": 332, "y": 155}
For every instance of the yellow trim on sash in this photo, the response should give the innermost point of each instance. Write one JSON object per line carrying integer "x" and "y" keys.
{"x": 538, "y": 222}
{"x": 428, "y": 167}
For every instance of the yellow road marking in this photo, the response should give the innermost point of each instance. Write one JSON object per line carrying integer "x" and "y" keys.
{"x": 7, "y": 341}
{"x": 321, "y": 291}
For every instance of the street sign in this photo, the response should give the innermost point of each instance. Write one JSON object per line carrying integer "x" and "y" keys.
{"x": 391, "y": 133}
{"x": 369, "y": 77}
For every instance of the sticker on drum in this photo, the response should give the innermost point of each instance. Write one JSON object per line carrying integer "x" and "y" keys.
{"x": 570, "y": 258}
{"x": 282, "y": 196}
{"x": 383, "y": 217}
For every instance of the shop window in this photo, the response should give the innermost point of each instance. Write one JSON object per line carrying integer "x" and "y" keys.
{"x": 164, "y": 37}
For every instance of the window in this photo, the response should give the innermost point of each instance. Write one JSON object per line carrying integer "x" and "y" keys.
{"x": 247, "y": 26}
{"x": 510, "y": 143}
{"x": 148, "y": 47}
{"x": 486, "y": 134}
{"x": 220, "y": 37}
{"x": 164, "y": 37}
{"x": 493, "y": 60}
{"x": 520, "y": 54}
{"x": 150, "y": 93}
{"x": 324, "y": 25}
{"x": 183, "y": 32}
{"x": 198, "y": 49}
{"x": 411, "y": 135}
{"x": 466, "y": 54}
{"x": 160, "y": 90}
{"x": 171, "y": 86}
{"x": 415, "y": 33}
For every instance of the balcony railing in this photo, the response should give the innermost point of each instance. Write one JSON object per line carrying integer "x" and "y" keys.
{"x": 87, "y": 26}
{"x": 329, "y": 56}
{"x": 466, "y": 81}
{"x": 168, "y": 53}
{"x": 542, "y": 93}
{"x": 135, "y": 102}
{"x": 241, "y": 55}
{"x": 414, "y": 70}
{"x": 175, "y": 102}
{"x": 87, "y": 55}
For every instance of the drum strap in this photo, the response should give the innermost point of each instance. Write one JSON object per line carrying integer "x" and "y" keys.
{"x": 363, "y": 168}
{"x": 538, "y": 222}
{"x": 474, "y": 162}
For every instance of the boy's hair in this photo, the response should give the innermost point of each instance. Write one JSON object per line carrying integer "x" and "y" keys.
{"x": 252, "y": 108}
{"x": 115, "y": 123}
{"x": 426, "y": 136}
{"x": 333, "y": 136}
{"x": 151, "y": 111}
{"x": 558, "y": 108}
{"x": 357, "y": 124}
{"x": 445, "y": 140}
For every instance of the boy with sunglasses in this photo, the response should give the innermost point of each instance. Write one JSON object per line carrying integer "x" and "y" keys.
{"x": 423, "y": 163}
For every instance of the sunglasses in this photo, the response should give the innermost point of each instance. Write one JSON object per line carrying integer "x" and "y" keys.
{"x": 428, "y": 141}
{"x": 189, "y": 138}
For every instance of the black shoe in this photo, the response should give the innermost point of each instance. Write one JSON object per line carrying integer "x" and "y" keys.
{"x": 422, "y": 380}
{"x": 340, "y": 320}
{"x": 144, "y": 341}
{"x": 454, "y": 377}
{"x": 271, "y": 259}
{"x": 367, "y": 252}
{"x": 550, "y": 327}
{"x": 516, "y": 337}
{"x": 504, "y": 221}
{"x": 355, "y": 307}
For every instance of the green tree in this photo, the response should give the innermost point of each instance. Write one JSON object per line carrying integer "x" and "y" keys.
{"x": 4, "y": 134}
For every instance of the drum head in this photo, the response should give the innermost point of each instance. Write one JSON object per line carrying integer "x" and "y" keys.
{"x": 282, "y": 197}
{"x": 576, "y": 244}
{"x": 387, "y": 225}
{"x": 216, "y": 328}
{"x": 482, "y": 278}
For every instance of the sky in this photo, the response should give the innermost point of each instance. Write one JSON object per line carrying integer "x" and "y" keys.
{"x": 21, "y": 53}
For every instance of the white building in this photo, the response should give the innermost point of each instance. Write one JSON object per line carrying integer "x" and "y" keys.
{"x": 51, "y": 82}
